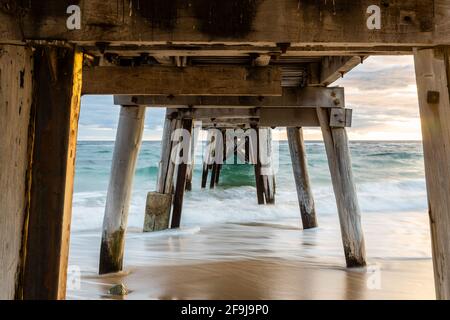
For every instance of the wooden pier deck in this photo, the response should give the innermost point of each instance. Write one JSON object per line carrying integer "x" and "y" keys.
{"x": 249, "y": 65}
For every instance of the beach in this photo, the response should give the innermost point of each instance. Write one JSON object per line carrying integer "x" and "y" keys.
{"x": 230, "y": 248}
{"x": 260, "y": 261}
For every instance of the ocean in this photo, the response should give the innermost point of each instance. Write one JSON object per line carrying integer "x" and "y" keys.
{"x": 225, "y": 225}
{"x": 389, "y": 177}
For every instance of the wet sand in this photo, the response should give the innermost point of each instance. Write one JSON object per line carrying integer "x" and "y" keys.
{"x": 269, "y": 260}
{"x": 262, "y": 279}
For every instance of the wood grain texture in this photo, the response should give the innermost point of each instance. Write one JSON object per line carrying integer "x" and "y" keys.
{"x": 191, "y": 166}
{"x": 157, "y": 211}
{"x": 339, "y": 161}
{"x": 126, "y": 151}
{"x": 159, "y": 218}
{"x": 171, "y": 81}
{"x": 16, "y": 66}
{"x": 267, "y": 164}
{"x": 180, "y": 185}
{"x": 259, "y": 181}
{"x": 334, "y": 68}
{"x": 300, "y": 169}
{"x": 433, "y": 74}
{"x": 58, "y": 74}
{"x": 269, "y": 21}
{"x": 442, "y": 16}
{"x": 331, "y": 97}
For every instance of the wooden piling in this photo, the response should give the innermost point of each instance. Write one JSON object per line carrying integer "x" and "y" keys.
{"x": 204, "y": 175}
{"x": 56, "y": 105}
{"x": 126, "y": 150}
{"x": 339, "y": 161}
{"x": 258, "y": 177}
{"x": 218, "y": 170}
{"x": 206, "y": 160}
{"x": 16, "y": 65}
{"x": 212, "y": 182}
{"x": 301, "y": 177}
{"x": 157, "y": 214}
{"x": 433, "y": 83}
{"x": 180, "y": 183}
{"x": 191, "y": 165}
{"x": 269, "y": 177}
{"x": 247, "y": 150}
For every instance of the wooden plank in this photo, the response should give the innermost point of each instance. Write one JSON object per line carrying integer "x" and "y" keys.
{"x": 180, "y": 183}
{"x": 126, "y": 151}
{"x": 9, "y": 29}
{"x": 57, "y": 105}
{"x": 433, "y": 80}
{"x": 16, "y": 67}
{"x": 334, "y": 68}
{"x": 339, "y": 161}
{"x": 442, "y": 17}
{"x": 218, "y": 113}
{"x": 171, "y": 81}
{"x": 160, "y": 51}
{"x": 300, "y": 168}
{"x": 301, "y": 117}
{"x": 200, "y": 21}
{"x": 272, "y": 117}
{"x": 291, "y": 97}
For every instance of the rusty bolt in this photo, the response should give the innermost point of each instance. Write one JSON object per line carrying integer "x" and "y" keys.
{"x": 433, "y": 97}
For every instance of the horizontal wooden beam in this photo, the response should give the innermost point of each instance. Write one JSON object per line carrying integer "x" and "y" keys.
{"x": 244, "y": 50}
{"x": 216, "y": 113}
{"x": 334, "y": 68}
{"x": 411, "y": 22}
{"x": 290, "y": 117}
{"x": 291, "y": 97}
{"x": 163, "y": 80}
{"x": 264, "y": 117}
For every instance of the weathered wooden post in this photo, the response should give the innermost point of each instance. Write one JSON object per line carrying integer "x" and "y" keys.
{"x": 301, "y": 177}
{"x": 191, "y": 166}
{"x": 53, "y": 137}
{"x": 339, "y": 161}
{"x": 180, "y": 186}
{"x": 16, "y": 65}
{"x": 206, "y": 159}
{"x": 259, "y": 182}
{"x": 214, "y": 172}
{"x": 433, "y": 83}
{"x": 126, "y": 150}
{"x": 268, "y": 175}
{"x": 159, "y": 203}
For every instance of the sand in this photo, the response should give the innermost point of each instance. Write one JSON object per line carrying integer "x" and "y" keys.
{"x": 269, "y": 260}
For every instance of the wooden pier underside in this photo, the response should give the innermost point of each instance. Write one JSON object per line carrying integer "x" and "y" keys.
{"x": 281, "y": 56}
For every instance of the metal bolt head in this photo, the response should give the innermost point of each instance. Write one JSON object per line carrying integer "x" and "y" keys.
{"x": 433, "y": 97}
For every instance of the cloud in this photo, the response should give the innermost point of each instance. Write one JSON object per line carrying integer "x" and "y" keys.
{"x": 99, "y": 118}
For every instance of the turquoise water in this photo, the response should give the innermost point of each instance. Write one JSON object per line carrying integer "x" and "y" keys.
{"x": 389, "y": 177}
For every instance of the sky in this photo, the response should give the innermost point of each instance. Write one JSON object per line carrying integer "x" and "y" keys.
{"x": 381, "y": 91}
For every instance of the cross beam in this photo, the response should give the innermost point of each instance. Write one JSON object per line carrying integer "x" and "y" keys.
{"x": 291, "y": 97}
{"x": 263, "y": 117}
{"x": 411, "y": 22}
{"x": 202, "y": 80}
